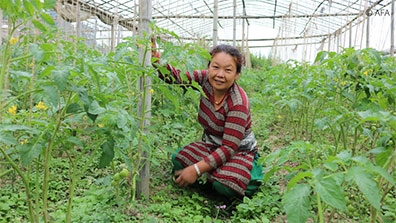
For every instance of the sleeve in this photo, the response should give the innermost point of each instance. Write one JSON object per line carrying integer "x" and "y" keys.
{"x": 175, "y": 77}
{"x": 234, "y": 128}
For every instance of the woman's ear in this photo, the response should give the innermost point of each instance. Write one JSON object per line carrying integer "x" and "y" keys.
{"x": 237, "y": 76}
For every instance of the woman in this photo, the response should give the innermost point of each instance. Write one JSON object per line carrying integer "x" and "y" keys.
{"x": 228, "y": 150}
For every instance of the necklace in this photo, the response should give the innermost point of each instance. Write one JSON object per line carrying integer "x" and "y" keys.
{"x": 221, "y": 101}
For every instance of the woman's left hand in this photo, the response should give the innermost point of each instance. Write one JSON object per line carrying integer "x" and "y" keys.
{"x": 186, "y": 176}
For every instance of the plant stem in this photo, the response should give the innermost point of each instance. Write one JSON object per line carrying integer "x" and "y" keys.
{"x": 72, "y": 185}
{"x": 5, "y": 173}
{"x": 47, "y": 161}
{"x": 36, "y": 193}
{"x": 142, "y": 157}
{"x": 344, "y": 138}
{"x": 320, "y": 210}
{"x": 25, "y": 181}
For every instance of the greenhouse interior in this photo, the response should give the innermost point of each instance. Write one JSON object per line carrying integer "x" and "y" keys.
{"x": 281, "y": 29}
{"x": 90, "y": 125}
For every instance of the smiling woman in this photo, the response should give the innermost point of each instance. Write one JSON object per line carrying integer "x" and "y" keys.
{"x": 227, "y": 153}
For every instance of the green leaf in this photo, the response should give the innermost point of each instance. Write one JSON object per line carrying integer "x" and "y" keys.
{"x": 107, "y": 153}
{"x": 122, "y": 120}
{"x": 330, "y": 192}
{"x": 28, "y": 152}
{"x": 87, "y": 101}
{"x": 60, "y": 78}
{"x": 38, "y": 52}
{"x": 331, "y": 166}
{"x": 49, "y": 4}
{"x": 381, "y": 171}
{"x": 366, "y": 185}
{"x": 39, "y": 25}
{"x": 52, "y": 95}
{"x": 5, "y": 206}
{"x": 47, "y": 71}
{"x": 297, "y": 178}
{"x": 7, "y": 138}
{"x": 374, "y": 115}
{"x": 296, "y": 203}
{"x": 47, "y": 18}
{"x": 76, "y": 141}
{"x": 28, "y": 7}
{"x": 383, "y": 156}
{"x": 321, "y": 56}
{"x": 73, "y": 108}
{"x": 95, "y": 108}
{"x": 22, "y": 74}
{"x": 37, "y": 4}
{"x": 13, "y": 128}
{"x": 344, "y": 156}
{"x": 195, "y": 85}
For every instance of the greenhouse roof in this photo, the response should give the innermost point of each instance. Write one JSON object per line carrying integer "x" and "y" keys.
{"x": 311, "y": 21}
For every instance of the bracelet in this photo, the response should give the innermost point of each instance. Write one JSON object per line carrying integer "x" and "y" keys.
{"x": 197, "y": 169}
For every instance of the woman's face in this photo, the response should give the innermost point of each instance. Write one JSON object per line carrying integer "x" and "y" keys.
{"x": 222, "y": 72}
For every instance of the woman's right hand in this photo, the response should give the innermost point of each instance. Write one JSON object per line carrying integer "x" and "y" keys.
{"x": 154, "y": 51}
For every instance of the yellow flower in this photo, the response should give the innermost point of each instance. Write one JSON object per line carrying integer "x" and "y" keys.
{"x": 12, "y": 110}
{"x": 100, "y": 125}
{"x": 13, "y": 40}
{"x": 336, "y": 79}
{"x": 24, "y": 141}
{"x": 343, "y": 83}
{"x": 151, "y": 91}
{"x": 365, "y": 73}
{"x": 41, "y": 106}
{"x": 279, "y": 117}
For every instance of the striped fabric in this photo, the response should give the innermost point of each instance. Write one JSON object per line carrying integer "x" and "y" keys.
{"x": 232, "y": 122}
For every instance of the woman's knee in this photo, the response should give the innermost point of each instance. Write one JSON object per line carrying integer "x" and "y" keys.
{"x": 223, "y": 190}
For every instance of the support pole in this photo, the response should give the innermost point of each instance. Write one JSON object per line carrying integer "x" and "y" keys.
{"x": 215, "y": 18}
{"x": 368, "y": 32}
{"x": 392, "y": 37}
{"x": 350, "y": 35}
{"x": 234, "y": 25}
{"x": 112, "y": 36}
{"x": 243, "y": 30}
{"x": 142, "y": 186}
{"x": 329, "y": 43}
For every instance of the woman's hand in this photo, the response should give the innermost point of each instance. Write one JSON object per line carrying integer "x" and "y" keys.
{"x": 154, "y": 51}
{"x": 186, "y": 176}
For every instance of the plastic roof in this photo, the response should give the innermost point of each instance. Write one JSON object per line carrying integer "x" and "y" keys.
{"x": 313, "y": 19}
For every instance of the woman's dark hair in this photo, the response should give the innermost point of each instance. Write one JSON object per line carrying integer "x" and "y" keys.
{"x": 228, "y": 49}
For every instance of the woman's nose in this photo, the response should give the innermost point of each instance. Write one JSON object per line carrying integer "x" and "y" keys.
{"x": 220, "y": 73}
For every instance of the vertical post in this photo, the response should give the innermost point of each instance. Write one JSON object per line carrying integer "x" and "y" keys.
{"x": 243, "y": 29}
{"x": 338, "y": 41}
{"x": 368, "y": 32}
{"x": 112, "y": 36}
{"x": 142, "y": 186}
{"x": 392, "y": 37}
{"x": 78, "y": 22}
{"x": 328, "y": 43}
{"x": 350, "y": 35}
{"x": 234, "y": 25}
{"x": 215, "y": 18}
{"x": 95, "y": 33}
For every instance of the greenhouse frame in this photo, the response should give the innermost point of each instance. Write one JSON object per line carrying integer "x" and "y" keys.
{"x": 282, "y": 29}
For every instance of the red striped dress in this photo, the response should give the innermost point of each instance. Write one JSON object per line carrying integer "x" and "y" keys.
{"x": 230, "y": 124}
